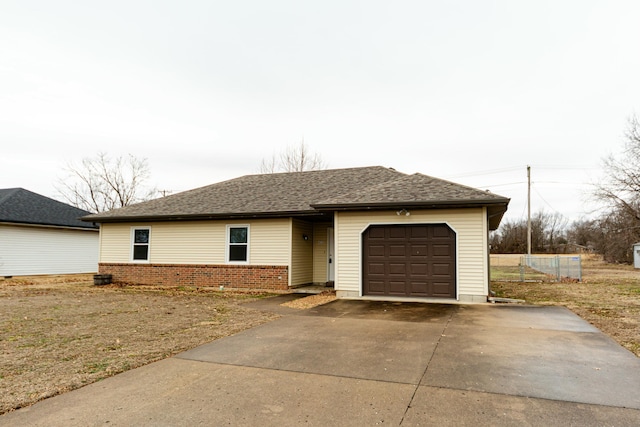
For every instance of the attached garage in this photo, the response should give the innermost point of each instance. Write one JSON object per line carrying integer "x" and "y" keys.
{"x": 409, "y": 260}
{"x": 372, "y": 233}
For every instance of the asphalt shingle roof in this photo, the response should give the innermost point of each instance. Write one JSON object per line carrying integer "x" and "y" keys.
{"x": 21, "y": 206}
{"x": 412, "y": 189}
{"x": 305, "y": 193}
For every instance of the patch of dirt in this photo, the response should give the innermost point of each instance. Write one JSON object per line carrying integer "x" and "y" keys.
{"x": 62, "y": 332}
{"x": 311, "y": 301}
{"x": 608, "y": 298}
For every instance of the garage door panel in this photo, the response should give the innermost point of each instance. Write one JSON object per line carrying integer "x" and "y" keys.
{"x": 419, "y": 250}
{"x": 376, "y": 268}
{"x": 440, "y": 289}
{"x": 442, "y": 250}
{"x": 395, "y": 268}
{"x": 419, "y": 288}
{"x": 397, "y": 287}
{"x": 377, "y": 287}
{"x": 396, "y": 232}
{"x": 396, "y": 250}
{"x": 377, "y": 233}
{"x": 376, "y": 250}
{"x": 441, "y": 269}
{"x": 419, "y": 232}
{"x": 409, "y": 260}
{"x": 419, "y": 268}
{"x": 441, "y": 231}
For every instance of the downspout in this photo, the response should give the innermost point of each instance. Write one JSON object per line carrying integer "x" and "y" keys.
{"x": 491, "y": 293}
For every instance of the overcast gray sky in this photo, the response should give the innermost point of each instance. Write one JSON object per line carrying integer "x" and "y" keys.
{"x": 470, "y": 91}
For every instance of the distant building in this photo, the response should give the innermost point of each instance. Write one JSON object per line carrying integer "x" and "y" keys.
{"x": 39, "y": 235}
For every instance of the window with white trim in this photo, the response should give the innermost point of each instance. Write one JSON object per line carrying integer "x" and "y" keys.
{"x": 237, "y": 243}
{"x": 140, "y": 237}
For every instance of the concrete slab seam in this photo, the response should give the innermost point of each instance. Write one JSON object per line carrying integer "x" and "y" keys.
{"x": 301, "y": 372}
{"x": 413, "y": 396}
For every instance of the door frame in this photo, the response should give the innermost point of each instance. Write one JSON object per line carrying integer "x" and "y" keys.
{"x": 331, "y": 259}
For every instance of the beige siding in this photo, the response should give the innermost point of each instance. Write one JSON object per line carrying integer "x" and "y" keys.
{"x": 320, "y": 252}
{"x": 270, "y": 242}
{"x": 115, "y": 243}
{"x": 188, "y": 243}
{"x": 301, "y": 253}
{"x": 198, "y": 242}
{"x": 470, "y": 228}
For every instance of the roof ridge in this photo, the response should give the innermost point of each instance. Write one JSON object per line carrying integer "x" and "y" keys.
{"x": 319, "y": 171}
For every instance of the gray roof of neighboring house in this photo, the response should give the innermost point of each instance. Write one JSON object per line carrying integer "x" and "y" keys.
{"x": 20, "y": 206}
{"x": 312, "y": 193}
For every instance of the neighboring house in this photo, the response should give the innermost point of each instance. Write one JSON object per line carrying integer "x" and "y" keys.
{"x": 39, "y": 235}
{"x": 372, "y": 232}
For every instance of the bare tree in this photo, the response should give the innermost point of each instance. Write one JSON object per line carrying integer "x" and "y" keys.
{"x": 617, "y": 232}
{"x": 296, "y": 158}
{"x": 585, "y": 233}
{"x": 555, "y": 231}
{"x": 103, "y": 183}
{"x": 547, "y": 233}
{"x": 620, "y": 189}
{"x": 619, "y": 192}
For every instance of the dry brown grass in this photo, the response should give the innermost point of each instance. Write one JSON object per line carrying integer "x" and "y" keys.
{"x": 608, "y": 297}
{"x": 60, "y": 333}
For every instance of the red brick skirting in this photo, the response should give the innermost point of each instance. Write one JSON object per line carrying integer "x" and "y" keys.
{"x": 233, "y": 276}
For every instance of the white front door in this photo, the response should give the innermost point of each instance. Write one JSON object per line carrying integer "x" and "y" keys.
{"x": 331, "y": 262}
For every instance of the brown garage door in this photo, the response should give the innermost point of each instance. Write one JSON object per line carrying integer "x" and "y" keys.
{"x": 409, "y": 260}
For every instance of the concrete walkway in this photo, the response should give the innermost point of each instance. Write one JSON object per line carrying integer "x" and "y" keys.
{"x": 372, "y": 363}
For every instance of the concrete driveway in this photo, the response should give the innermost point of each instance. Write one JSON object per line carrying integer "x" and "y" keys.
{"x": 373, "y": 363}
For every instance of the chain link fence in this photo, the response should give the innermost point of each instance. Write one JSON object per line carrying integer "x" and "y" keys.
{"x": 538, "y": 268}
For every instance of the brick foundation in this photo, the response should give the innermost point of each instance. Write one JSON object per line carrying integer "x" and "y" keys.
{"x": 275, "y": 277}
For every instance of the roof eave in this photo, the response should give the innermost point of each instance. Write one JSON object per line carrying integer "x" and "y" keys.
{"x": 436, "y": 204}
{"x": 50, "y": 225}
{"x": 202, "y": 217}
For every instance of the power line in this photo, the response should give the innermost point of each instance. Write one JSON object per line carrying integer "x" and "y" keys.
{"x": 518, "y": 168}
{"x": 486, "y": 172}
{"x": 500, "y": 185}
{"x": 547, "y": 203}
{"x": 568, "y": 167}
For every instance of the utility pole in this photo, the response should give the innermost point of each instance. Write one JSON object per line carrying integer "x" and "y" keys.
{"x": 528, "y": 210}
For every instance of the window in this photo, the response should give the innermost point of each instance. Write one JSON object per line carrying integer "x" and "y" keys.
{"x": 238, "y": 239}
{"x": 140, "y": 250}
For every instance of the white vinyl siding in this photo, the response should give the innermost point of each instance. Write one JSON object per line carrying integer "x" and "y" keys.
{"x": 27, "y": 250}
{"x": 199, "y": 242}
{"x": 301, "y": 253}
{"x": 469, "y": 225}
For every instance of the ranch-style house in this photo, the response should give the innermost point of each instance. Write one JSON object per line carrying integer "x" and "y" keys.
{"x": 371, "y": 232}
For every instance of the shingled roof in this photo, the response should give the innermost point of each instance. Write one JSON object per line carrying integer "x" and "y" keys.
{"x": 20, "y": 206}
{"x": 313, "y": 193}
